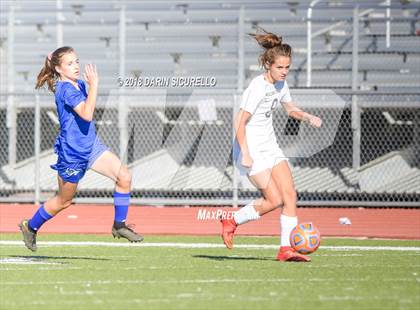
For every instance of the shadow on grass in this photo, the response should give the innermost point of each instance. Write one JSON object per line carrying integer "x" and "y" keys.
{"x": 221, "y": 258}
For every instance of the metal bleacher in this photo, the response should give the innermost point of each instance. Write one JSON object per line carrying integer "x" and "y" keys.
{"x": 206, "y": 39}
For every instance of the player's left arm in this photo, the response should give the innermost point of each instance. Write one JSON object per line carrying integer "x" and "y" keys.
{"x": 294, "y": 112}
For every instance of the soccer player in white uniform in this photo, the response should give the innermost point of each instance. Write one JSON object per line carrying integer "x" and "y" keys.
{"x": 256, "y": 150}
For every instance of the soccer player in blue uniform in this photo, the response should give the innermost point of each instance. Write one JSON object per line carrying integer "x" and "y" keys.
{"x": 77, "y": 145}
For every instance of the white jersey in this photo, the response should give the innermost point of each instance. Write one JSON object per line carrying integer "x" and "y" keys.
{"x": 260, "y": 99}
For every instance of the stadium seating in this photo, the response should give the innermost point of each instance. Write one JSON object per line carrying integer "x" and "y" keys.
{"x": 194, "y": 39}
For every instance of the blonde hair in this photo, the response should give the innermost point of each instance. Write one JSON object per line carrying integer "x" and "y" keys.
{"x": 48, "y": 74}
{"x": 273, "y": 46}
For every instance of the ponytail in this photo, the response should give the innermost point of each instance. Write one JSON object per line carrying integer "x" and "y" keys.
{"x": 48, "y": 74}
{"x": 273, "y": 46}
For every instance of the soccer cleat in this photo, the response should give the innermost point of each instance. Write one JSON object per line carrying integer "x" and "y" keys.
{"x": 288, "y": 254}
{"x": 29, "y": 237}
{"x": 127, "y": 233}
{"x": 228, "y": 229}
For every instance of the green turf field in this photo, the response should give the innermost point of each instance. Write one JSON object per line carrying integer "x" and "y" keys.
{"x": 169, "y": 277}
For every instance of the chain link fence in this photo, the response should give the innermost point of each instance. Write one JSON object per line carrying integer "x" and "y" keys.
{"x": 177, "y": 142}
{"x": 179, "y": 148}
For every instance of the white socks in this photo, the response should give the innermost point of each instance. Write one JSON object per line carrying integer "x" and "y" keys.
{"x": 246, "y": 214}
{"x": 287, "y": 224}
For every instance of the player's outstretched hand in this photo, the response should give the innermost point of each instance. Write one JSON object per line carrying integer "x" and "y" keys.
{"x": 315, "y": 121}
{"x": 91, "y": 75}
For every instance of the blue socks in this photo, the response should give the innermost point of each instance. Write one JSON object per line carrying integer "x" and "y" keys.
{"x": 39, "y": 218}
{"x": 121, "y": 203}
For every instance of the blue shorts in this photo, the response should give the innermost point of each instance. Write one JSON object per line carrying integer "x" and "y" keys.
{"x": 74, "y": 172}
{"x": 97, "y": 150}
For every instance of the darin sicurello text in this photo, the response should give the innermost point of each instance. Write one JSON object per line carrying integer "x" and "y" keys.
{"x": 175, "y": 81}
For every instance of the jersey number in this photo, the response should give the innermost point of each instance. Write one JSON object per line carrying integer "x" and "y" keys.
{"x": 273, "y": 105}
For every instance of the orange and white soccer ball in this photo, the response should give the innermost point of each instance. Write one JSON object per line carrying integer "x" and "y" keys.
{"x": 305, "y": 238}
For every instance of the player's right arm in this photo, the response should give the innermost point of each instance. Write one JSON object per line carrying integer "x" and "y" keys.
{"x": 251, "y": 99}
{"x": 86, "y": 108}
{"x": 240, "y": 123}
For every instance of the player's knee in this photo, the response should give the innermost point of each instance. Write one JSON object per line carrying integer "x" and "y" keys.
{"x": 275, "y": 202}
{"x": 124, "y": 176}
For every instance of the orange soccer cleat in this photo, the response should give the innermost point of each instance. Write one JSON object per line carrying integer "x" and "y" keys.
{"x": 288, "y": 254}
{"x": 228, "y": 229}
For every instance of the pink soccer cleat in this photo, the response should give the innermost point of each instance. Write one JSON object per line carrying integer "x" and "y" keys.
{"x": 288, "y": 254}
{"x": 228, "y": 229}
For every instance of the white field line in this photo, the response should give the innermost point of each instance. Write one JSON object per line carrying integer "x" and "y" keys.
{"x": 203, "y": 245}
{"x": 89, "y": 283}
{"x": 25, "y": 261}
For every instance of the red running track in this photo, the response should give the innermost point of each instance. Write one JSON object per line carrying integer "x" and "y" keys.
{"x": 366, "y": 222}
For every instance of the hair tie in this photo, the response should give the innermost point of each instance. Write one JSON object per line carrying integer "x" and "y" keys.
{"x": 50, "y": 56}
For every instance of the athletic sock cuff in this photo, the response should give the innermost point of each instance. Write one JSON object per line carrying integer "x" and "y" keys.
{"x": 121, "y": 199}
{"x": 45, "y": 215}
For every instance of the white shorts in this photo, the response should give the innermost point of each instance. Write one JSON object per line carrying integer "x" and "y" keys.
{"x": 261, "y": 161}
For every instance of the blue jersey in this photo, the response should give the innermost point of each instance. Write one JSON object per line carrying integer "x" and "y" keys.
{"x": 77, "y": 136}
